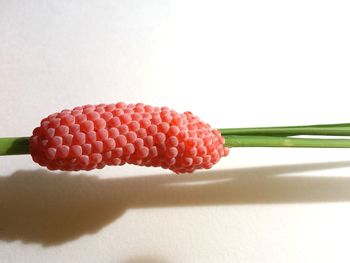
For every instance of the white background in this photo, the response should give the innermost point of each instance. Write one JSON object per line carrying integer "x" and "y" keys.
{"x": 234, "y": 64}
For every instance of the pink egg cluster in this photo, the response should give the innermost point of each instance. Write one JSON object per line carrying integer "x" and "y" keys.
{"x": 93, "y": 136}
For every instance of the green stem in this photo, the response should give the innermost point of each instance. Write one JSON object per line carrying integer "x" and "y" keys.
{"x": 271, "y": 141}
{"x": 14, "y": 145}
{"x": 241, "y": 137}
{"x": 342, "y": 129}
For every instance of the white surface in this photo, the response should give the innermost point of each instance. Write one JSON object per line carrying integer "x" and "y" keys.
{"x": 234, "y": 64}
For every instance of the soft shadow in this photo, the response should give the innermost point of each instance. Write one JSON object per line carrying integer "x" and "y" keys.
{"x": 52, "y": 208}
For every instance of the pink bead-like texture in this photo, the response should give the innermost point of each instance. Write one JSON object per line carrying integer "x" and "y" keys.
{"x": 93, "y": 136}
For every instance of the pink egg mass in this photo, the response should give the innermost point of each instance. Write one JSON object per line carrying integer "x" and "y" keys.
{"x": 93, "y": 136}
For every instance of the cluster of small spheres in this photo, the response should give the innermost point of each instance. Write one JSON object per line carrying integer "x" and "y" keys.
{"x": 93, "y": 136}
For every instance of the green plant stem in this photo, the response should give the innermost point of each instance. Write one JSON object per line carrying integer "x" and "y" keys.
{"x": 14, "y": 145}
{"x": 274, "y": 141}
{"x": 342, "y": 129}
{"x": 241, "y": 137}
